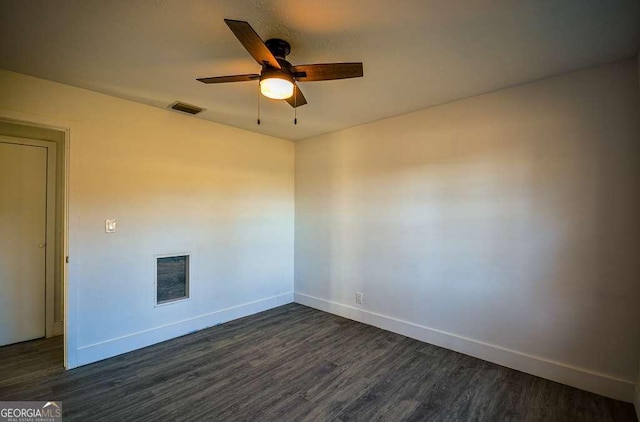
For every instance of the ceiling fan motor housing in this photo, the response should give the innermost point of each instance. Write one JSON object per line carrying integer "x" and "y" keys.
{"x": 279, "y": 48}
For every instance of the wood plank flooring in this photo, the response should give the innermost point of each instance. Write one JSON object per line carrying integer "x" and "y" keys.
{"x": 293, "y": 363}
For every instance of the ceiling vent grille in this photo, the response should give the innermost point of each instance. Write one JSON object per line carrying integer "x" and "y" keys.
{"x": 186, "y": 108}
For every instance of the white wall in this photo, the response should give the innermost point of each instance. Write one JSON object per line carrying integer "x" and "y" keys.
{"x": 504, "y": 226}
{"x": 175, "y": 184}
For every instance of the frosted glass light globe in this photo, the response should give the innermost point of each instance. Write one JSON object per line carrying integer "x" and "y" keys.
{"x": 276, "y": 88}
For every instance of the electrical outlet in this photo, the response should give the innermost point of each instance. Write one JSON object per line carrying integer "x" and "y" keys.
{"x": 359, "y": 298}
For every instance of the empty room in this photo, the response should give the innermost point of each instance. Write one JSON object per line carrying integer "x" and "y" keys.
{"x": 416, "y": 210}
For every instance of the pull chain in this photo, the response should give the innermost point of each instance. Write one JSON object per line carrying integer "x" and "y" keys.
{"x": 258, "y": 103}
{"x": 295, "y": 104}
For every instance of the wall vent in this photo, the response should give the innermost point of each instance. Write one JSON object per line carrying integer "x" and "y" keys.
{"x": 186, "y": 108}
{"x": 172, "y": 278}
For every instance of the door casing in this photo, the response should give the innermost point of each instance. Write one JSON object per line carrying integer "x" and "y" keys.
{"x": 50, "y": 325}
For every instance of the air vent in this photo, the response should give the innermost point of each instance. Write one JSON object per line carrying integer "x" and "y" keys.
{"x": 186, "y": 108}
{"x": 172, "y": 278}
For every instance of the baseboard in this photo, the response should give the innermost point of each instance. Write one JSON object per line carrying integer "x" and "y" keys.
{"x": 55, "y": 329}
{"x": 58, "y": 328}
{"x": 117, "y": 346}
{"x": 582, "y": 378}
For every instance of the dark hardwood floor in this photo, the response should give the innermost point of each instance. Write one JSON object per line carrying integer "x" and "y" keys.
{"x": 288, "y": 364}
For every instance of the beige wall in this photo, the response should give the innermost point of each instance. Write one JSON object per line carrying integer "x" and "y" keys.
{"x": 504, "y": 226}
{"x": 175, "y": 184}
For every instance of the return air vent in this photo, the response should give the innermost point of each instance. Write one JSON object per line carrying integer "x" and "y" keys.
{"x": 186, "y": 108}
{"x": 172, "y": 278}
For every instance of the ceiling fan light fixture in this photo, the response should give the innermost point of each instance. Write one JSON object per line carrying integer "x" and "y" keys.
{"x": 276, "y": 85}
{"x": 277, "y": 78}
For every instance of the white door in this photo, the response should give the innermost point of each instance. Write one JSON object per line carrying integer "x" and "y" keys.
{"x": 23, "y": 229}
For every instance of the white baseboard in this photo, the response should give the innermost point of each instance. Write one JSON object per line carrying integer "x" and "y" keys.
{"x": 117, "y": 346}
{"x": 582, "y": 378}
{"x": 58, "y": 328}
{"x": 54, "y": 329}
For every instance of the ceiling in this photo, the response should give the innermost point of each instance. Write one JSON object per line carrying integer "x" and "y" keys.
{"x": 416, "y": 53}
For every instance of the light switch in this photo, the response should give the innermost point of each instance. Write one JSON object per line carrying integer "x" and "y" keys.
{"x": 109, "y": 226}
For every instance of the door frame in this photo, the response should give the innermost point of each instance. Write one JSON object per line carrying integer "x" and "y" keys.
{"x": 69, "y": 292}
{"x": 50, "y": 324}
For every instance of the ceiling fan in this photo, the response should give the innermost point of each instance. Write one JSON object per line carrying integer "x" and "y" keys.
{"x": 278, "y": 77}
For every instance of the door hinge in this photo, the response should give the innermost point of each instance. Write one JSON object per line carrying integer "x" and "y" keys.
{"x": 66, "y": 259}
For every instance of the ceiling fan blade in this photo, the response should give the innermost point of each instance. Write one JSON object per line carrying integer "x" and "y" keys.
{"x": 297, "y": 99}
{"x": 326, "y": 71}
{"x": 233, "y": 78}
{"x": 252, "y": 42}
